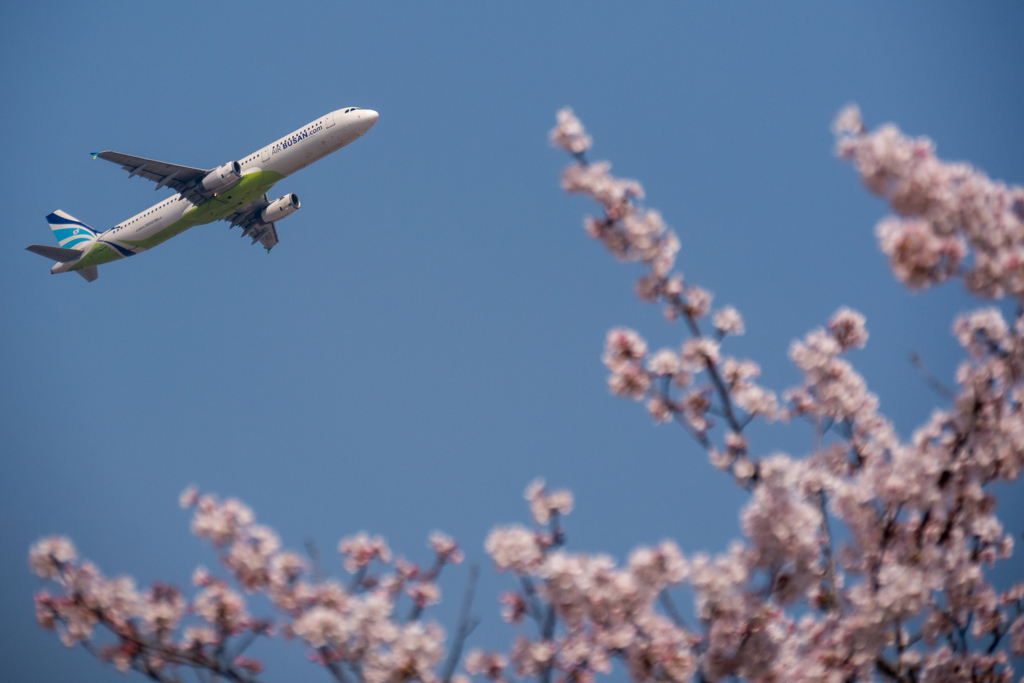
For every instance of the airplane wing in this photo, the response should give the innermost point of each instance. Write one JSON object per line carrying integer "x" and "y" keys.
{"x": 179, "y": 178}
{"x": 268, "y": 236}
{"x": 248, "y": 218}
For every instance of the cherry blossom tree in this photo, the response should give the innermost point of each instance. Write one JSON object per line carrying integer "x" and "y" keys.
{"x": 866, "y": 559}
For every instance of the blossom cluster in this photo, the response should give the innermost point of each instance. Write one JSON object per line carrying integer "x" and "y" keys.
{"x": 951, "y": 219}
{"x": 605, "y": 611}
{"x": 144, "y": 624}
{"x": 904, "y": 596}
{"x": 354, "y": 628}
{"x": 694, "y": 382}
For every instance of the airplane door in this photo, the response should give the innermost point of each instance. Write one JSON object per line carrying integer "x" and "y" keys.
{"x": 329, "y": 121}
{"x": 264, "y": 154}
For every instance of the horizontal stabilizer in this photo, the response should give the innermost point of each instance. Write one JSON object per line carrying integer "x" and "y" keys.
{"x": 56, "y": 253}
{"x": 90, "y": 273}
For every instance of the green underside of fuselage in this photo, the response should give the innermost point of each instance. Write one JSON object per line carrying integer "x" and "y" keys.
{"x": 248, "y": 189}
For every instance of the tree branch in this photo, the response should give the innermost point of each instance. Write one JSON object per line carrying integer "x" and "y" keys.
{"x": 933, "y": 383}
{"x": 466, "y": 625}
{"x": 670, "y": 608}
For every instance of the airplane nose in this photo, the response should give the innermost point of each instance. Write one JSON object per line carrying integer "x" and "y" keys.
{"x": 367, "y": 118}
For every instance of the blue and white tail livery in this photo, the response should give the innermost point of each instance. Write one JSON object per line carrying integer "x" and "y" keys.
{"x": 69, "y": 231}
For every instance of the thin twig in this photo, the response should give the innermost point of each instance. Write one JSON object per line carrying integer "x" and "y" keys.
{"x": 888, "y": 670}
{"x": 548, "y": 633}
{"x": 935, "y": 385}
{"x": 357, "y": 580}
{"x": 533, "y": 604}
{"x": 432, "y": 575}
{"x": 699, "y": 437}
{"x": 314, "y": 558}
{"x": 716, "y": 379}
{"x": 333, "y": 666}
{"x": 244, "y": 645}
{"x": 466, "y": 625}
{"x": 670, "y": 608}
{"x": 830, "y": 563}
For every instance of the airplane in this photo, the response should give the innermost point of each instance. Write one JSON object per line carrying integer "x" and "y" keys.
{"x": 235, "y": 192}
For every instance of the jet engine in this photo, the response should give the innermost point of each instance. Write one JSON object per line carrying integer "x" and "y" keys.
{"x": 223, "y": 178}
{"x": 282, "y": 207}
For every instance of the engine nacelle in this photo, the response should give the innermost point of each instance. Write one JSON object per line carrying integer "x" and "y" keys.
{"x": 222, "y": 178}
{"x": 282, "y": 207}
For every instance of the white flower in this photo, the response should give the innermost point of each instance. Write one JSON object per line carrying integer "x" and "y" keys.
{"x": 189, "y": 496}
{"x": 660, "y": 566}
{"x": 728, "y": 321}
{"x": 664, "y": 363}
{"x": 659, "y": 410}
{"x": 848, "y": 121}
{"x": 196, "y": 637}
{"x": 629, "y": 381}
{"x": 543, "y": 504}
{"x": 360, "y": 550}
{"x": 700, "y": 352}
{"x": 569, "y": 134}
{"x": 847, "y": 326}
{"x": 622, "y": 347}
{"x": 490, "y": 664}
{"x": 222, "y": 607}
{"x": 445, "y": 547}
{"x": 321, "y": 626}
{"x": 48, "y": 555}
{"x": 424, "y": 593}
{"x": 698, "y": 301}
{"x": 514, "y": 548}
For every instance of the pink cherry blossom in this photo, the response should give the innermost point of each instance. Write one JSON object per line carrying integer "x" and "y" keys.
{"x": 362, "y": 549}
{"x": 515, "y": 607}
{"x": 847, "y": 327}
{"x": 728, "y": 321}
{"x": 47, "y": 555}
{"x": 544, "y": 505}
{"x": 698, "y": 354}
{"x": 622, "y": 347}
{"x": 661, "y": 410}
{"x": 569, "y": 134}
{"x": 424, "y": 593}
{"x": 945, "y": 211}
{"x": 189, "y": 496}
{"x": 222, "y": 608}
{"x": 630, "y": 381}
{"x": 514, "y": 548}
{"x": 445, "y": 547}
{"x": 490, "y": 664}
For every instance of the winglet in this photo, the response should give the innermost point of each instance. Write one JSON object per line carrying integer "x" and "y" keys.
{"x": 95, "y": 155}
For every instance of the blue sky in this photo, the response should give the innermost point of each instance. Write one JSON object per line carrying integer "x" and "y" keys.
{"x": 426, "y": 338}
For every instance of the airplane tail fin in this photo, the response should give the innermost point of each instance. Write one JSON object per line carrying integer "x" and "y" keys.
{"x": 75, "y": 239}
{"x": 69, "y": 231}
